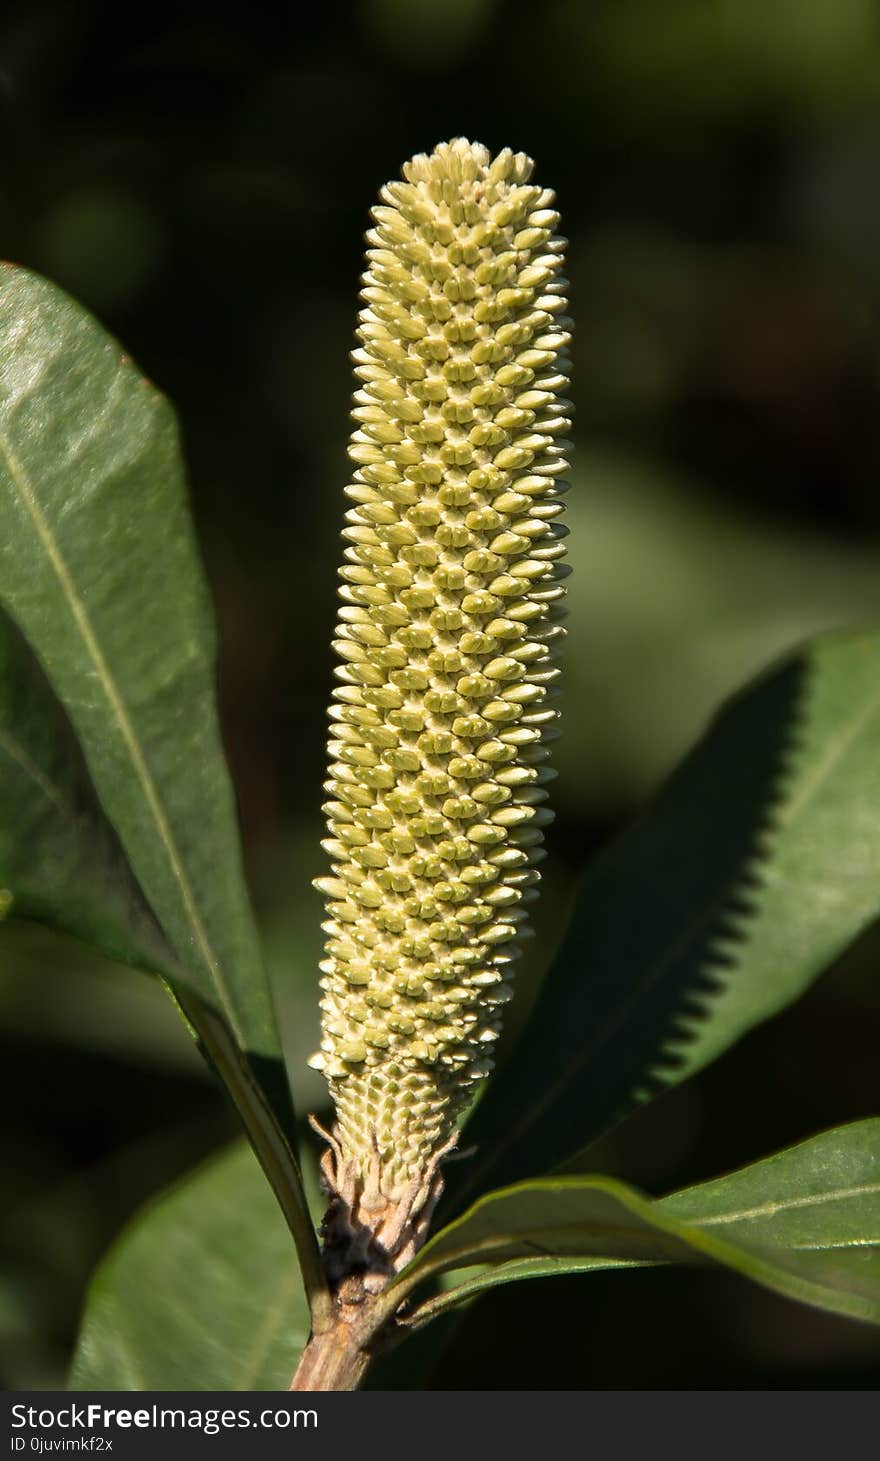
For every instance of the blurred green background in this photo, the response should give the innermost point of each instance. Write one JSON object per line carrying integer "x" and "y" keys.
{"x": 202, "y": 184}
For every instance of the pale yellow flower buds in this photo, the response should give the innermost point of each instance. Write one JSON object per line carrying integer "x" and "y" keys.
{"x": 447, "y": 636}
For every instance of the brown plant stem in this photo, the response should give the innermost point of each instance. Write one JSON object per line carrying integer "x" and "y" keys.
{"x": 334, "y": 1359}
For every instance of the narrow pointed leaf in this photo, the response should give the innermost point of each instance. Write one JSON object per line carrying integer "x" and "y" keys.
{"x": 99, "y": 568}
{"x": 817, "y": 873}
{"x": 201, "y": 1291}
{"x": 755, "y": 867}
{"x": 804, "y": 1222}
{"x": 100, "y": 571}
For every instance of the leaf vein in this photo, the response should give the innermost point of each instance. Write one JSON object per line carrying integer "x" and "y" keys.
{"x": 28, "y": 498}
{"x": 769, "y": 1209}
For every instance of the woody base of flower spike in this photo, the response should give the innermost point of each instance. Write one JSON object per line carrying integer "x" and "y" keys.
{"x": 369, "y": 1235}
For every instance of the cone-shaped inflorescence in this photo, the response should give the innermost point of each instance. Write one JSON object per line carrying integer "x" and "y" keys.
{"x": 447, "y": 636}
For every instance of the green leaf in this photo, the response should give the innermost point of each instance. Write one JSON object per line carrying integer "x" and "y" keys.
{"x": 57, "y": 849}
{"x": 818, "y": 877}
{"x": 99, "y": 569}
{"x": 201, "y": 1291}
{"x": 805, "y": 1222}
{"x": 756, "y": 866}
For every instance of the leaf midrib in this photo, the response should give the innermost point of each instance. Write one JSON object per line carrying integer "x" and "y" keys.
{"x": 486, "y": 1243}
{"x": 770, "y": 1209}
{"x": 79, "y": 614}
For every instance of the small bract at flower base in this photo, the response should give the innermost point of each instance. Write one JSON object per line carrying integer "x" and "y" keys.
{"x": 452, "y": 596}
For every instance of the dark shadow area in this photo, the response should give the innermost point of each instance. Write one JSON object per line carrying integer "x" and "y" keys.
{"x": 641, "y": 955}
{"x": 656, "y": 1330}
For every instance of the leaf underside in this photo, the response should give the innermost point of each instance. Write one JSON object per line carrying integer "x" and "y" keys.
{"x": 804, "y": 1222}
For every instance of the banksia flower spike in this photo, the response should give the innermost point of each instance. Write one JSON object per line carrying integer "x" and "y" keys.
{"x": 447, "y": 636}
